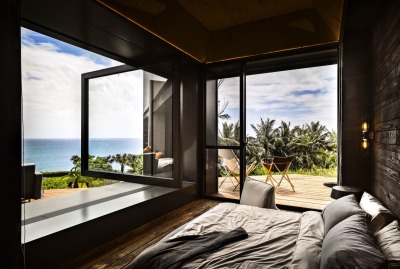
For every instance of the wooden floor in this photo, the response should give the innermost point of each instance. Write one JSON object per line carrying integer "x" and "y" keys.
{"x": 310, "y": 191}
{"x": 119, "y": 252}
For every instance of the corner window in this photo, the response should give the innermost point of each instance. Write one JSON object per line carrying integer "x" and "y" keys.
{"x": 129, "y": 112}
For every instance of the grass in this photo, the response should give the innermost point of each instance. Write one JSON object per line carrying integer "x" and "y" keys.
{"x": 62, "y": 182}
{"x": 315, "y": 171}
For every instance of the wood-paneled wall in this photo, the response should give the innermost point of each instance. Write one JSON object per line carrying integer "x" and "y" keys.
{"x": 371, "y": 87}
{"x": 386, "y": 105}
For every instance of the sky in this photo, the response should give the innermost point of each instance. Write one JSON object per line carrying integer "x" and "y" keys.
{"x": 51, "y": 86}
{"x": 297, "y": 96}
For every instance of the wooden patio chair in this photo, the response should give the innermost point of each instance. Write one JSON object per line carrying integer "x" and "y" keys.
{"x": 231, "y": 165}
{"x": 278, "y": 165}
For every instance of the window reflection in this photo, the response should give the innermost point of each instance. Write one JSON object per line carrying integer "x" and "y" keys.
{"x": 130, "y": 123}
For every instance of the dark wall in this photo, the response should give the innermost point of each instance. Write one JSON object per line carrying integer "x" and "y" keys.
{"x": 10, "y": 103}
{"x": 189, "y": 76}
{"x": 371, "y": 87}
{"x": 356, "y": 94}
{"x": 386, "y": 106}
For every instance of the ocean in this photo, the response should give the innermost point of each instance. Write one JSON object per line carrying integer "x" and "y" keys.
{"x": 51, "y": 155}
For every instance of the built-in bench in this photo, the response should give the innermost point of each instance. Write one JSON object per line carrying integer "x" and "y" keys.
{"x": 57, "y": 229}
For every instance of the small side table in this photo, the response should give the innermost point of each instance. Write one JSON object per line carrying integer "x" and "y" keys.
{"x": 340, "y": 191}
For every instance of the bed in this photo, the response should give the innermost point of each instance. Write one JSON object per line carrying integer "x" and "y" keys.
{"x": 347, "y": 234}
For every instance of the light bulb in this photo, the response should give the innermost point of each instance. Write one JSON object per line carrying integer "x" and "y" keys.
{"x": 364, "y": 144}
{"x": 365, "y": 126}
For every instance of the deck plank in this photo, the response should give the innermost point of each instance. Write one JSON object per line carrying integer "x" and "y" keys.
{"x": 310, "y": 191}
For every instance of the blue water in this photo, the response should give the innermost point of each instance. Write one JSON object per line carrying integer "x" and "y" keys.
{"x": 54, "y": 154}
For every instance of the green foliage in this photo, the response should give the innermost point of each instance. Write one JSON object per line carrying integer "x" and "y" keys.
{"x": 62, "y": 183}
{"x": 74, "y": 178}
{"x": 258, "y": 171}
{"x": 55, "y": 183}
{"x": 313, "y": 146}
{"x": 317, "y": 171}
{"x": 314, "y": 171}
{"x": 136, "y": 164}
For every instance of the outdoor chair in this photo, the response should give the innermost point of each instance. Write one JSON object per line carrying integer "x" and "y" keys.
{"x": 31, "y": 183}
{"x": 231, "y": 166}
{"x": 278, "y": 165}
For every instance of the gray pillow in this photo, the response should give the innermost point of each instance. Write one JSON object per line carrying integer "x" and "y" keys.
{"x": 350, "y": 244}
{"x": 338, "y": 210}
{"x": 389, "y": 242}
{"x": 258, "y": 193}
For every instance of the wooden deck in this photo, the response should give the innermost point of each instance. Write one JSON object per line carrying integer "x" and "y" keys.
{"x": 310, "y": 191}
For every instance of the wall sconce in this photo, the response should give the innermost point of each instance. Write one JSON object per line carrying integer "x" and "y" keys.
{"x": 366, "y": 134}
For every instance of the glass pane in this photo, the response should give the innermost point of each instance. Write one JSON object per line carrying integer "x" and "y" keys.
{"x": 130, "y": 124}
{"x": 229, "y": 172}
{"x": 294, "y": 113}
{"x": 228, "y": 111}
{"x": 211, "y": 112}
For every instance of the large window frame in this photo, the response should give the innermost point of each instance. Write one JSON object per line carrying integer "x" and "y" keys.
{"x": 175, "y": 181}
{"x": 325, "y": 55}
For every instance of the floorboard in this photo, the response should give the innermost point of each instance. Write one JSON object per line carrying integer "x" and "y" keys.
{"x": 119, "y": 252}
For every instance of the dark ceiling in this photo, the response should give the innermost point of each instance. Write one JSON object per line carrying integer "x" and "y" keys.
{"x": 216, "y": 30}
{"x": 207, "y": 30}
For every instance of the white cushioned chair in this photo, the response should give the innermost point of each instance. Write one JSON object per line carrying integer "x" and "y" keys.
{"x": 258, "y": 193}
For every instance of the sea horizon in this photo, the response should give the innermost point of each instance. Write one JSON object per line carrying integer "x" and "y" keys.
{"x": 54, "y": 154}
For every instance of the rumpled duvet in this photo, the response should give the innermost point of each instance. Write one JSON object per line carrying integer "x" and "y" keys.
{"x": 276, "y": 238}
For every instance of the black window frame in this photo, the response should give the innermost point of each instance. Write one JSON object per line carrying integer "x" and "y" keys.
{"x": 175, "y": 181}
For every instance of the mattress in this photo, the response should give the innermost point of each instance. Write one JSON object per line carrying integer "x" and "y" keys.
{"x": 276, "y": 239}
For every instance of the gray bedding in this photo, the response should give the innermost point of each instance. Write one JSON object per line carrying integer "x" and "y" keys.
{"x": 276, "y": 239}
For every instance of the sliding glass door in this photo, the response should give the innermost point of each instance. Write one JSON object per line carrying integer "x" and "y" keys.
{"x": 259, "y": 110}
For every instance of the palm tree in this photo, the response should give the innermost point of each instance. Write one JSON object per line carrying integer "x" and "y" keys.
{"x": 312, "y": 145}
{"x": 284, "y": 140}
{"x": 136, "y": 164}
{"x": 266, "y": 136}
{"x": 95, "y": 163}
{"x": 122, "y": 160}
{"x": 229, "y": 134}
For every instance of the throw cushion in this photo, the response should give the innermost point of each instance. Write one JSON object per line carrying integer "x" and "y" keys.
{"x": 339, "y": 210}
{"x": 147, "y": 149}
{"x": 159, "y": 154}
{"x": 380, "y": 215}
{"x": 350, "y": 244}
{"x": 388, "y": 239}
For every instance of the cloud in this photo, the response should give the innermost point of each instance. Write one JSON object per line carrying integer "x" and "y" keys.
{"x": 116, "y": 105}
{"x": 51, "y": 85}
{"x": 299, "y": 96}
